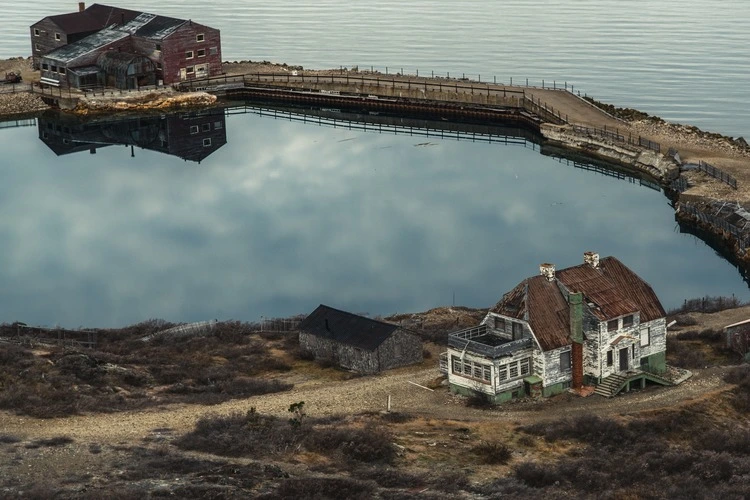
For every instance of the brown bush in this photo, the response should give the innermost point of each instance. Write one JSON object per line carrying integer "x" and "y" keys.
{"x": 492, "y": 452}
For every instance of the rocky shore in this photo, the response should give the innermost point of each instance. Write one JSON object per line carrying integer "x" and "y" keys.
{"x": 20, "y": 104}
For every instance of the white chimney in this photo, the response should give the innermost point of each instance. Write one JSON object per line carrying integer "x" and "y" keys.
{"x": 591, "y": 259}
{"x": 548, "y": 271}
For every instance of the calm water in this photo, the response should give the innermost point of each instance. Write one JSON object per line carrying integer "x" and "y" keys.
{"x": 287, "y": 215}
{"x": 684, "y": 61}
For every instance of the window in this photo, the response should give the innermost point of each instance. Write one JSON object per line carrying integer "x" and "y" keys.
{"x": 218, "y": 125}
{"x": 513, "y": 370}
{"x": 565, "y": 361}
{"x": 36, "y": 47}
{"x": 206, "y": 142}
{"x": 36, "y": 31}
{"x": 62, "y": 70}
{"x": 627, "y": 321}
{"x": 206, "y": 127}
{"x": 57, "y": 36}
{"x": 525, "y": 366}
{"x": 158, "y": 47}
{"x": 213, "y": 51}
{"x": 612, "y": 325}
{"x": 193, "y": 129}
{"x": 158, "y": 66}
{"x": 632, "y": 348}
{"x": 502, "y": 372}
{"x": 53, "y": 68}
{"x": 189, "y": 54}
{"x": 610, "y": 358}
{"x": 190, "y": 69}
{"x": 201, "y": 52}
{"x": 466, "y": 368}
{"x": 199, "y": 37}
{"x": 645, "y": 337}
{"x": 45, "y": 66}
{"x": 500, "y": 324}
{"x": 517, "y": 331}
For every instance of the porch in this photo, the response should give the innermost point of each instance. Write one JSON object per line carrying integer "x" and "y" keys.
{"x": 627, "y": 380}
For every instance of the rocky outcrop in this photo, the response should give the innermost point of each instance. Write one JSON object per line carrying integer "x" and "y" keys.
{"x": 142, "y": 102}
{"x": 20, "y": 103}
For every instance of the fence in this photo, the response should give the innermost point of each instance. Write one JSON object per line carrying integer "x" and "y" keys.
{"x": 742, "y": 239}
{"x": 617, "y": 137}
{"x": 187, "y": 330}
{"x": 717, "y": 174}
{"x": 679, "y": 185}
{"x": 60, "y": 336}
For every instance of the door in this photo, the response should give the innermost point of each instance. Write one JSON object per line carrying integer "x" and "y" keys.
{"x": 183, "y": 74}
{"x": 624, "y": 359}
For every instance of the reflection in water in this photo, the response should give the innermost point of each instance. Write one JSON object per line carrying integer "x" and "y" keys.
{"x": 191, "y": 136}
{"x": 373, "y": 214}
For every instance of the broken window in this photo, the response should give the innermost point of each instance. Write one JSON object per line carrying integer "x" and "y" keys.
{"x": 62, "y": 70}
{"x": 645, "y": 337}
{"x": 158, "y": 47}
{"x": 627, "y": 321}
{"x": 502, "y": 372}
{"x": 565, "y": 361}
{"x": 457, "y": 365}
{"x": 612, "y": 325}
{"x": 45, "y": 66}
{"x": 514, "y": 370}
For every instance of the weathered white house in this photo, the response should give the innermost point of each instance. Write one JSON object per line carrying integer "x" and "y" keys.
{"x": 357, "y": 343}
{"x": 596, "y": 324}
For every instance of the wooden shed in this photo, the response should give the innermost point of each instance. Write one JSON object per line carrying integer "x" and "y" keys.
{"x": 357, "y": 343}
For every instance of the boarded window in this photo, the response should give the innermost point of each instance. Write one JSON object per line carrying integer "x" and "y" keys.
{"x": 213, "y": 51}
{"x": 517, "y": 331}
{"x": 610, "y": 358}
{"x": 627, "y": 321}
{"x": 612, "y": 325}
{"x": 218, "y": 126}
{"x": 565, "y": 361}
{"x": 645, "y": 337}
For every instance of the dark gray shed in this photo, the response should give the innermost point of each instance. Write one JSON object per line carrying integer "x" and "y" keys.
{"x": 357, "y": 343}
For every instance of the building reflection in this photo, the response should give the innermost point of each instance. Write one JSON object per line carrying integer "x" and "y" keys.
{"x": 191, "y": 136}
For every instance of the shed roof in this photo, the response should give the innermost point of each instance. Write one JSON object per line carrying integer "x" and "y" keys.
{"x": 611, "y": 290}
{"x": 94, "y": 18}
{"x": 347, "y": 328}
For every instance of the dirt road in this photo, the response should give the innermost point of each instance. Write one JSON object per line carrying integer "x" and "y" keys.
{"x": 359, "y": 395}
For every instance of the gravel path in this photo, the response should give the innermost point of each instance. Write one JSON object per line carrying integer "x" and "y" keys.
{"x": 359, "y": 395}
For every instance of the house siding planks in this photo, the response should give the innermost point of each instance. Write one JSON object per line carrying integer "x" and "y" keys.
{"x": 553, "y": 374}
{"x": 45, "y": 42}
{"x": 399, "y": 349}
{"x": 658, "y": 337}
{"x": 184, "y": 39}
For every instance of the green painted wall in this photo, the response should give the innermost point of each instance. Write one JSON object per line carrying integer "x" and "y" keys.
{"x": 553, "y": 389}
{"x": 498, "y": 398}
{"x": 656, "y": 363}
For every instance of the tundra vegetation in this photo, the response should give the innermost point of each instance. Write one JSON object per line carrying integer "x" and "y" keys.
{"x": 697, "y": 448}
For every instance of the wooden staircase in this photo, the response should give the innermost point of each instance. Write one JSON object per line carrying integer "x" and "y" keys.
{"x": 613, "y": 384}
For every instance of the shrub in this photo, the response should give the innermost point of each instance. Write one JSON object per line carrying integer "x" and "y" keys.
{"x": 324, "y": 488}
{"x": 538, "y": 476}
{"x": 370, "y": 444}
{"x": 9, "y": 439}
{"x": 492, "y": 452}
{"x": 684, "y": 355}
{"x": 389, "y": 477}
{"x": 50, "y": 442}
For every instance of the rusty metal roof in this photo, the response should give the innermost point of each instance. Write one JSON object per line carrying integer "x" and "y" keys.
{"x": 610, "y": 291}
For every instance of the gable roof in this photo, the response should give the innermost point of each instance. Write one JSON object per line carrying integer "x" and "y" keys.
{"x": 612, "y": 288}
{"x": 347, "y": 328}
{"x": 94, "y": 18}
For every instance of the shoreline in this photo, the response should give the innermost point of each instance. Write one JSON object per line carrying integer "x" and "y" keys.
{"x": 681, "y": 147}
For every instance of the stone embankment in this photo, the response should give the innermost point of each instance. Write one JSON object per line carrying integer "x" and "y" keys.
{"x": 20, "y": 103}
{"x": 142, "y": 101}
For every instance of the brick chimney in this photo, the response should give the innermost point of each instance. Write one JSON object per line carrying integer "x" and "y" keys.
{"x": 575, "y": 303}
{"x": 548, "y": 271}
{"x": 81, "y": 6}
{"x": 592, "y": 259}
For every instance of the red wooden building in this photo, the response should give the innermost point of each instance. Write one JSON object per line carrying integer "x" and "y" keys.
{"x": 134, "y": 51}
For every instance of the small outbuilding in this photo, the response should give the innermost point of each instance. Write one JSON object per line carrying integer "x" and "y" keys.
{"x": 737, "y": 338}
{"x": 357, "y": 343}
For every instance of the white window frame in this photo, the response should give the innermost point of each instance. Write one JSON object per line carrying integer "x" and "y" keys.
{"x": 190, "y": 70}
{"x": 206, "y": 142}
{"x": 647, "y": 332}
{"x": 194, "y": 129}
{"x": 36, "y": 32}
{"x": 200, "y": 37}
{"x": 189, "y": 54}
{"x": 201, "y": 53}
{"x": 58, "y": 37}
